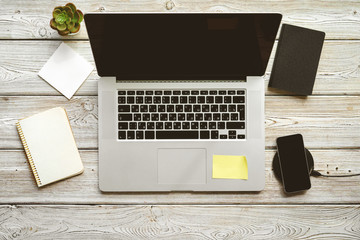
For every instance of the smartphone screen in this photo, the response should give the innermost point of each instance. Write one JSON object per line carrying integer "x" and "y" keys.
{"x": 293, "y": 163}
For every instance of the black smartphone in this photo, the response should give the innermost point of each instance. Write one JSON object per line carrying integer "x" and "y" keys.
{"x": 293, "y": 163}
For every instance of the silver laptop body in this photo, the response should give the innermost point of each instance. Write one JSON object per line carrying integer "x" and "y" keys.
{"x": 151, "y": 161}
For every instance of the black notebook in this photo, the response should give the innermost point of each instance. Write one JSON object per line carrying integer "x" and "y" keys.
{"x": 296, "y": 59}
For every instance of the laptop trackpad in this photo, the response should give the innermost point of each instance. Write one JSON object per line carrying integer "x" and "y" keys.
{"x": 181, "y": 166}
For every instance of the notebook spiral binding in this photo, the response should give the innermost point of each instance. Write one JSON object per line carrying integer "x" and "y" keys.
{"x": 28, "y": 154}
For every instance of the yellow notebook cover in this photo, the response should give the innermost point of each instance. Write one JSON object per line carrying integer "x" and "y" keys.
{"x": 50, "y": 146}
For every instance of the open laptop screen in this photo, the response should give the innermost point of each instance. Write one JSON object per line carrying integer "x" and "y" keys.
{"x": 181, "y": 46}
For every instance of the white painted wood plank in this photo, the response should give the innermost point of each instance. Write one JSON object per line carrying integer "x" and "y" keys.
{"x": 180, "y": 222}
{"x": 325, "y": 122}
{"x": 21, "y": 61}
{"x": 30, "y": 19}
{"x": 17, "y": 185}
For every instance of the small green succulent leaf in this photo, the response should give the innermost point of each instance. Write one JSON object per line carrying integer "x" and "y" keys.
{"x": 59, "y": 7}
{"x": 61, "y": 27}
{"x": 64, "y": 33}
{"x": 56, "y": 12}
{"x": 76, "y": 17}
{"x": 61, "y": 18}
{"x": 53, "y": 24}
{"x": 68, "y": 11}
{"x": 81, "y": 15}
{"x": 76, "y": 28}
{"x": 72, "y": 6}
{"x": 70, "y": 25}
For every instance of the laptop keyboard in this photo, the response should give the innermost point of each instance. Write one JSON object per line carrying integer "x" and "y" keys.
{"x": 181, "y": 114}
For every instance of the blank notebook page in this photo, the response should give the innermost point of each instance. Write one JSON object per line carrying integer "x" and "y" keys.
{"x": 51, "y": 145}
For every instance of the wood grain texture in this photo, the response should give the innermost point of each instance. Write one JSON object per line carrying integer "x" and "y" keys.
{"x": 17, "y": 185}
{"x": 325, "y": 122}
{"x": 30, "y": 20}
{"x": 338, "y": 72}
{"x": 180, "y": 222}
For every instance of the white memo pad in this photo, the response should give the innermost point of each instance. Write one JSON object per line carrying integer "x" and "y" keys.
{"x": 66, "y": 70}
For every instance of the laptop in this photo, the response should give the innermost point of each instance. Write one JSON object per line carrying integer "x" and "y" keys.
{"x": 175, "y": 90}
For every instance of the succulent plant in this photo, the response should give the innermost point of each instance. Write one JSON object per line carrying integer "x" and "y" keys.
{"x": 66, "y": 19}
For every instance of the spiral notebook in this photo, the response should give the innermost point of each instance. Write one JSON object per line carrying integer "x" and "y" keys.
{"x": 50, "y": 146}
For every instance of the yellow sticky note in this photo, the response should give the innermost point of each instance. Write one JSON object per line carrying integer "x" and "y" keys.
{"x": 230, "y": 167}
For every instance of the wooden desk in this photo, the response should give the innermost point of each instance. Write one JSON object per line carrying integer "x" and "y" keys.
{"x": 329, "y": 121}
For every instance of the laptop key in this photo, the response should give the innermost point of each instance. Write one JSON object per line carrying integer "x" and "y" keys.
{"x": 205, "y": 108}
{"x": 139, "y": 92}
{"x": 221, "y": 125}
{"x": 176, "y": 92}
{"x": 235, "y": 125}
{"x": 125, "y": 117}
{"x": 212, "y": 125}
{"x": 121, "y": 93}
{"x": 130, "y": 100}
{"x": 157, "y": 99}
{"x": 201, "y": 99}
{"x": 174, "y": 99}
{"x": 190, "y": 117}
{"x": 167, "y": 92}
{"x": 159, "y": 125}
{"x": 203, "y": 125}
{"x": 222, "y": 92}
{"x": 130, "y": 92}
{"x": 232, "y": 132}
{"x": 146, "y": 117}
{"x": 139, "y": 134}
{"x": 150, "y": 125}
{"x": 213, "y": 92}
{"x": 181, "y": 117}
{"x": 232, "y": 136}
{"x": 234, "y": 116}
{"x": 204, "y": 134}
{"x": 225, "y": 116}
{"x": 141, "y": 125}
{"x": 177, "y": 134}
{"x": 123, "y": 125}
{"x": 214, "y": 108}
{"x": 207, "y": 117}
{"x": 177, "y": 125}
{"x": 149, "y": 92}
{"x": 172, "y": 116}
{"x": 121, "y": 100}
{"x": 227, "y": 99}
{"x": 165, "y": 99}
{"x": 170, "y": 108}
{"x": 222, "y": 136}
{"x": 183, "y": 99}
{"x": 152, "y": 108}
{"x": 180, "y": 108}
{"x": 185, "y": 92}
{"x": 122, "y": 135}
{"x": 204, "y": 92}
{"x": 218, "y": 99}
{"x": 149, "y": 134}
{"x": 196, "y": 108}
{"x": 188, "y": 108}
{"x": 223, "y": 108}
{"x": 185, "y": 125}
{"x": 124, "y": 108}
{"x": 158, "y": 92}
{"x": 134, "y": 108}
{"x": 231, "y": 92}
{"x": 194, "y": 92}
{"x": 168, "y": 125}
{"x": 133, "y": 125}
{"x": 232, "y": 108}
{"x": 199, "y": 116}
{"x": 148, "y": 99}
{"x": 216, "y": 116}
{"x": 192, "y": 99}
{"x": 163, "y": 117}
{"x": 214, "y": 134}
{"x": 161, "y": 108}
{"x": 194, "y": 125}
{"x": 131, "y": 135}
{"x": 238, "y": 99}
{"x": 137, "y": 117}
{"x": 210, "y": 99}
{"x": 240, "y": 92}
{"x": 154, "y": 117}
{"x": 143, "y": 108}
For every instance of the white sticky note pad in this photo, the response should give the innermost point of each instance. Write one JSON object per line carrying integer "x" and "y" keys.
{"x": 66, "y": 70}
